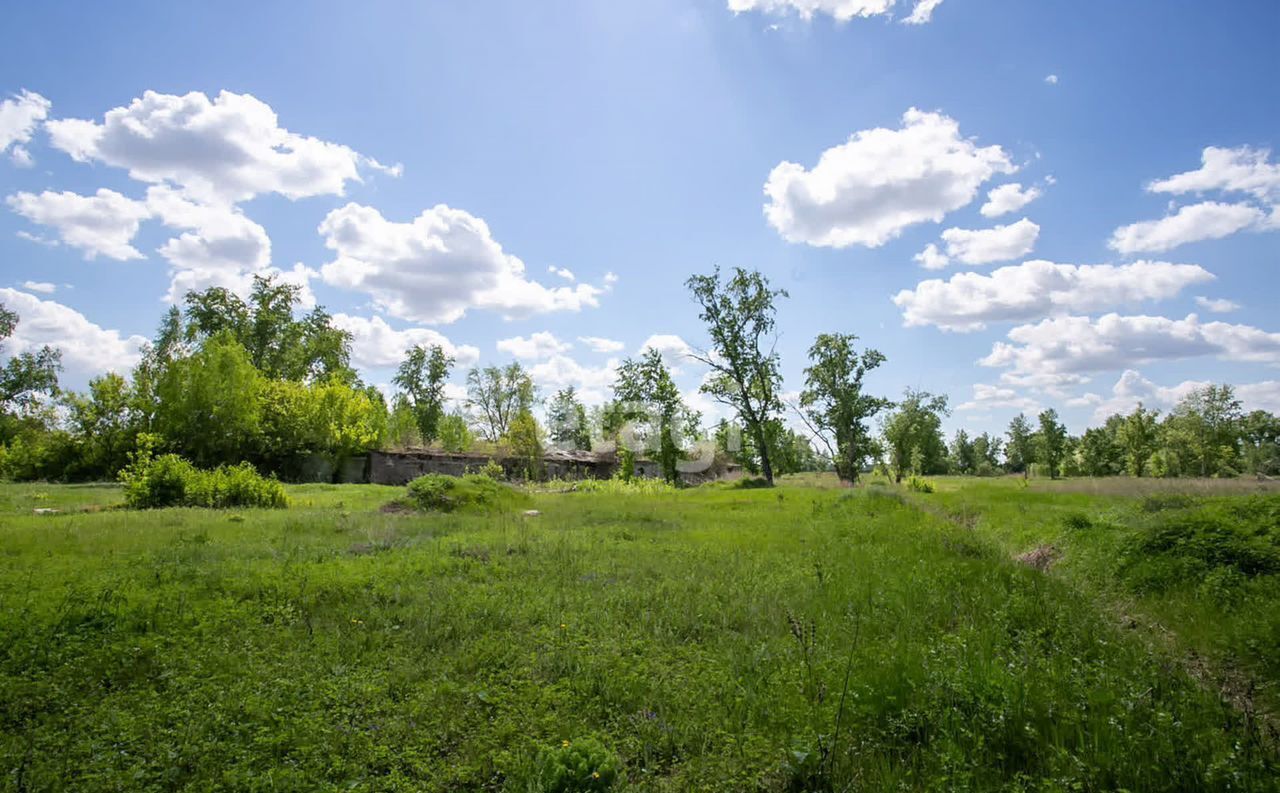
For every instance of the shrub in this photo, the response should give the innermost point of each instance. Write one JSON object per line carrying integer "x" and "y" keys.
{"x": 918, "y": 484}
{"x": 170, "y": 481}
{"x": 1217, "y": 542}
{"x": 1077, "y": 521}
{"x": 584, "y": 765}
{"x": 442, "y": 493}
{"x": 493, "y": 470}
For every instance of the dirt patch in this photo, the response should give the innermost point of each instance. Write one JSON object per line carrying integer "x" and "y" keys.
{"x": 1040, "y": 558}
{"x": 397, "y": 508}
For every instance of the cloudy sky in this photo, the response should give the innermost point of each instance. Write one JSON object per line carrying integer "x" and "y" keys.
{"x": 1022, "y": 204}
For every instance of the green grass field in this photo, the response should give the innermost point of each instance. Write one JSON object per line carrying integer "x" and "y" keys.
{"x": 803, "y": 638}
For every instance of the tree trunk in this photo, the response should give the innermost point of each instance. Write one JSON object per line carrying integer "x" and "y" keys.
{"x": 766, "y": 467}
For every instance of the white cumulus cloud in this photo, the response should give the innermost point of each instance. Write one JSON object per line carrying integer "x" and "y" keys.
{"x": 1132, "y": 388}
{"x": 1239, "y": 170}
{"x": 1064, "y": 349}
{"x": 87, "y": 349}
{"x": 1217, "y": 305}
{"x": 675, "y": 351}
{"x": 436, "y": 267}
{"x": 601, "y": 344}
{"x": 867, "y": 190}
{"x": 221, "y": 150}
{"x": 375, "y": 344}
{"x": 998, "y": 244}
{"x": 1034, "y": 289}
{"x": 990, "y": 397}
{"x": 1008, "y": 198}
{"x": 931, "y": 258}
{"x": 19, "y": 116}
{"x": 542, "y": 344}
{"x": 1209, "y": 220}
{"x": 592, "y": 383}
{"x": 103, "y": 224}
{"x": 922, "y": 12}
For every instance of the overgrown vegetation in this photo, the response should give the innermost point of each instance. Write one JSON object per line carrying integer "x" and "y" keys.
{"x": 791, "y": 638}
{"x": 440, "y": 493}
{"x": 170, "y": 481}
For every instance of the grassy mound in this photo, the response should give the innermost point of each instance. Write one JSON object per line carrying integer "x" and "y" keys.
{"x": 473, "y": 492}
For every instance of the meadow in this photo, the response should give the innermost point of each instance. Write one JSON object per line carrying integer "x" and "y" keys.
{"x": 802, "y": 638}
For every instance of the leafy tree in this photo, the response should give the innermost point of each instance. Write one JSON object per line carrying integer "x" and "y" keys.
{"x": 1137, "y": 434}
{"x": 209, "y": 407}
{"x": 1208, "y": 418}
{"x": 422, "y": 376}
{"x": 964, "y": 458}
{"x": 525, "y": 438}
{"x": 1260, "y": 437}
{"x": 833, "y": 403}
{"x": 402, "y": 424}
{"x": 986, "y": 450}
{"x": 279, "y": 346}
{"x": 104, "y": 425}
{"x": 355, "y": 419}
{"x": 913, "y": 434}
{"x": 651, "y": 402}
{"x": 1020, "y": 451}
{"x": 1100, "y": 451}
{"x": 496, "y": 395}
{"x": 739, "y": 314}
{"x": 1051, "y": 447}
{"x": 27, "y": 375}
{"x": 791, "y": 452}
{"x": 567, "y": 421}
{"x": 455, "y": 435}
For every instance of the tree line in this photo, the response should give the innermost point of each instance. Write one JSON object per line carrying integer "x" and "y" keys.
{"x": 229, "y": 380}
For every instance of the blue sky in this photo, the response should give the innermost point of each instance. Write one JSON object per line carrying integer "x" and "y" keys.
{"x": 633, "y": 144}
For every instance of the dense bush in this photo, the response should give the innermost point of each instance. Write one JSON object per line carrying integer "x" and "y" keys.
{"x": 442, "y": 493}
{"x": 918, "y": 484}
{"x": 170, "y": 481}
{"x": 581, "y": 766}
{"x": 1223, "y": 542}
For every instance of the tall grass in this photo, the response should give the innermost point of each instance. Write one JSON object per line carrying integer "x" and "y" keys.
{"x": 702, "y": 639}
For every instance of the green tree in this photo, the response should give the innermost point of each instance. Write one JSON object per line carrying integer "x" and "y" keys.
{"x": 27, "y": 375}
{"x": 104, "y": 425}
{"x": 1137, "y": 435}
{"x": 525, "y": 439}
{"x": 567, "y": 421}
{"x": 1100, "y": 451}
{"x": 1020, "y": 451}
{"x": 1051, "y": 447}
{"x": 1260, "y": 437}
{"x": 208, "y": 407}
{"x": 496, "y": 395}
{"x": 1209, "y": 420}
{"x": 402, "y": 424}
{"x": 279, "y": 345}
{"x": 964, "y": 457}
{"x": 913, "y": 434}
{"x": 422, "y": 377}
{"x": 986, "y": 449}
{"x": 651, "y": 403}
{"x": 455, "y": 435}
{"x": 833, "y": 403}
{"x": 740, "y": 316}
